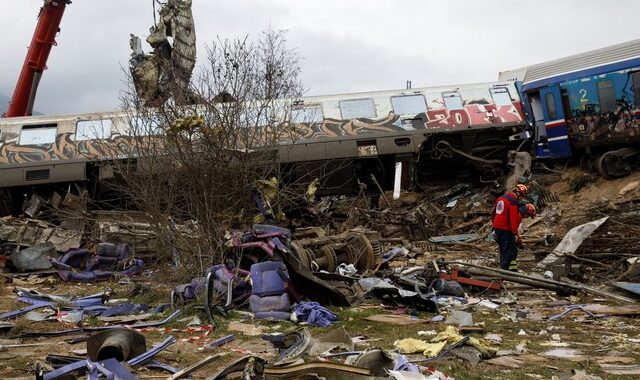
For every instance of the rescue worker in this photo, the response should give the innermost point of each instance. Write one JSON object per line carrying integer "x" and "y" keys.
{"x": 507, "y": 215}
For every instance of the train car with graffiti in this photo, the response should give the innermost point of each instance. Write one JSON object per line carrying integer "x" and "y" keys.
{"x": 586, "y": 106}
{"x": 366, "y": 132}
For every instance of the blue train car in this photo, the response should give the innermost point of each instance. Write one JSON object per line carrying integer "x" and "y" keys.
{"x": 585, "y": 105}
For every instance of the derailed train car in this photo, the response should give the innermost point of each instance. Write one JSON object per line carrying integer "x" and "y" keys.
{"x": 585, "y": 106}
{"x": 426, "y": 129}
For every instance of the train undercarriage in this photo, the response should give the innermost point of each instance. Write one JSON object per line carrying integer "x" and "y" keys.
{"x": 612, "y": 164}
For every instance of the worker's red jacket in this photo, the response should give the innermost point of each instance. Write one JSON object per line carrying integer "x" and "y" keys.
{"x": 506, "y": 213}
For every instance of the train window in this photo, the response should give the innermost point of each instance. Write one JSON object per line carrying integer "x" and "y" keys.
{"x": 38, "y": 134}
{"x": 409, "y": 104}
{"x": 145, "y": 126}
{"x": 253, "y": 117}
{"x": 357, "y": 108}
{"x": 93, "y": 129}
{"x": 635, "y": 78}
{"x": 501, "y": 96}
{"x": 309, "y": 114}
{"x": 607, "y": 96}
{"x": 452, "y": 100}
{"x": 551, "y": 106}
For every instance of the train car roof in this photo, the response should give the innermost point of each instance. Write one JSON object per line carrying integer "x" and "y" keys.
{"x": 594, "y": 62}
{"x": 364, "y": 94}
{"x": 52, "y": 118}
{"x": 306, "y": 99}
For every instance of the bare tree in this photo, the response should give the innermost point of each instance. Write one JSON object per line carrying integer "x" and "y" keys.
{"x": 199, "y": 162}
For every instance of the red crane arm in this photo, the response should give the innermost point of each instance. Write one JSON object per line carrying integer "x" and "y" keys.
{"x": 36, "y": 60}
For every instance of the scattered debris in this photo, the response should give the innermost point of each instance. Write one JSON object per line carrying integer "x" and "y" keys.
{"x": 361, "y": 274}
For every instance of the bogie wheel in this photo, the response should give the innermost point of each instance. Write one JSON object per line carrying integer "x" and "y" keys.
{"x": 612, "y": 165}
{"x": 300, "y": 254}
{"x": 331, "y": 258}
{"x": 365, "y": 257}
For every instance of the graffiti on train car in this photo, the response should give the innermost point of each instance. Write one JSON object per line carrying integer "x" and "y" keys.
{"x": 331, "y": 128}
{"x": 603, "y": 127}
{"x": 64, "y": 148}
{"x": 476, "y": 114}
{"x": 601, "y": 108}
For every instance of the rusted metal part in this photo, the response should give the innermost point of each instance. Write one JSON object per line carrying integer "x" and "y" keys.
{"x": 361, "y": 248}
{"x": 564, "y": 284}
{"x": 444, "y": 149}
{"x": 455, "y": 276}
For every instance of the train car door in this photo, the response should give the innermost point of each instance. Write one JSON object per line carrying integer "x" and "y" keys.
{"x": 536, "y": 115}
{"x": 555, "y": 141}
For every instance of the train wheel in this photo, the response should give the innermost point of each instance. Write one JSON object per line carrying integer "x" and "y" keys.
{"x": 613, "y": 165}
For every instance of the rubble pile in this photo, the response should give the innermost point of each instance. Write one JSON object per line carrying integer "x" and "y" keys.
{"x": 408, "y": 290}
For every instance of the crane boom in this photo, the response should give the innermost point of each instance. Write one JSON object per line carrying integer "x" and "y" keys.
{"x": 36, "y": 60}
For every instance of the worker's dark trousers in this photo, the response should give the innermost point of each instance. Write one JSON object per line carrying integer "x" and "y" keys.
{"x": 508, "y": 249}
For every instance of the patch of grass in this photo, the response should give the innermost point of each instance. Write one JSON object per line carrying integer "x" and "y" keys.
{"x": 151, "y": 295}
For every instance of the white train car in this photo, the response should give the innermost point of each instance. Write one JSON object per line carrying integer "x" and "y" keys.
{"x": 475, "y": 121}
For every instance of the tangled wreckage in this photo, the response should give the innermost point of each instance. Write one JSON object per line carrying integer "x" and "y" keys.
{"x": 408, "y": 291}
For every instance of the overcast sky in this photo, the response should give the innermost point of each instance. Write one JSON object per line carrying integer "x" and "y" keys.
{"x": 347, "y": 45}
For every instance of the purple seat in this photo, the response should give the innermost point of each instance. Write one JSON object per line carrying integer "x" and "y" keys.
{"x": 76, "y": 258}
{"x": 269, "y": 278}
{"x": 120, "y": 251}
{"x": 104, "y": 263}
{"x": 106, "y": 249}
{"x": 269, "y": 303}
{"x": 269, "y": 297}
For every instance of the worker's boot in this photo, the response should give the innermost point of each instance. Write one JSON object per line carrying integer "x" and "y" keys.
{"x": 513, "y": 266}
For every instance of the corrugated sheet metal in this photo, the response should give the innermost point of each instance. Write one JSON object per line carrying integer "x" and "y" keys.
{"x": 594, "y": 58}
{"x": 513, "y": 75}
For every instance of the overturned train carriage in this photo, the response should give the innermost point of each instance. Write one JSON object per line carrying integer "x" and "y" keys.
{"x": 586, "y": 106}
{"x": 348, "y": 138}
